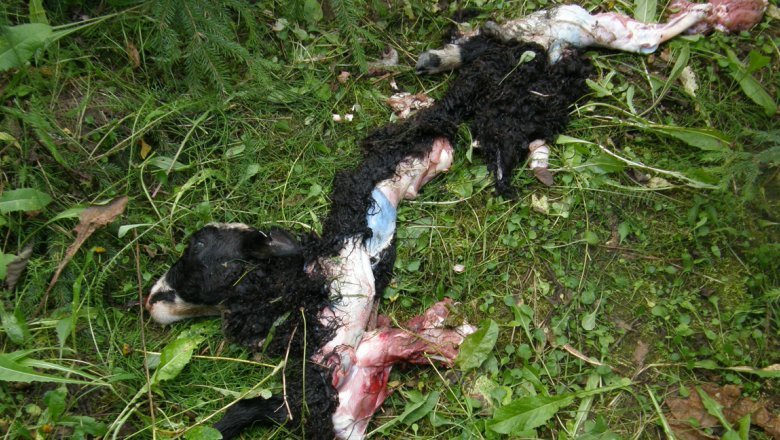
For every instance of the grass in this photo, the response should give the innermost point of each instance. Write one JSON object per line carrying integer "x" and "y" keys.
{"x": 668, "y": 283}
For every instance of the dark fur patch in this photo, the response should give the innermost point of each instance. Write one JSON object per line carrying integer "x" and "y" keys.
{"x": 314, "y": 418}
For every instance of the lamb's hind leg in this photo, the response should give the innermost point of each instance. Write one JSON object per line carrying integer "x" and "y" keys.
{"x": 616, "y": 31}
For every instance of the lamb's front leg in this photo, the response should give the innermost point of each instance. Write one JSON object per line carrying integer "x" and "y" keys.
{"x": 434, "y": 61}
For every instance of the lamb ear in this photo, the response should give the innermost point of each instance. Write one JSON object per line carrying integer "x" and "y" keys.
{"x": 277, "y": 243}
{"x": 283, "y": 244}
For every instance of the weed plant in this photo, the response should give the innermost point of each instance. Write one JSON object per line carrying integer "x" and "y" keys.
{"x": 651, "y": 266}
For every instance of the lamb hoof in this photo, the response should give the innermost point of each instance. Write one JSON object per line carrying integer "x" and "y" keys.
{"x": 544, "y": 175}
{"x": 428, "y": 63}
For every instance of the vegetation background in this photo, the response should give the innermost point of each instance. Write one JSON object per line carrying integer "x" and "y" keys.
{"x": 645, "y": 277}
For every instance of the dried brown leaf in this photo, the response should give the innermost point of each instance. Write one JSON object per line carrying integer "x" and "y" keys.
{"x": 735, "y": 407}
{"x": 145, "y": 149}
{"x": 90, "y": 220}
{"x": 132, "y": 53}
{"x": 545, "y": 176}
{"x": 640, "y": 353}
{"x": 16, "y": 267}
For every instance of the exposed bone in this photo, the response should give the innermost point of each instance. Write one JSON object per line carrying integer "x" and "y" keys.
{"x": 726, "y": 16}
{"x": 361, "y": 374}
{"x": 404, "y": 103}
{"x": 570, "y": 26}
{"x": 538, "y": 154}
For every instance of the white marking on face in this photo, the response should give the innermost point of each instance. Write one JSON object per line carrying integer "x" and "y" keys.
{"x": 166, "y": 312}
{"x": 161, "y": 285}
{"x": 236, "y": 226}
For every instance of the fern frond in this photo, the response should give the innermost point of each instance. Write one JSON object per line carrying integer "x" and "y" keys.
{"x": 201, "y": 38}
{"x": 349, "y": 15}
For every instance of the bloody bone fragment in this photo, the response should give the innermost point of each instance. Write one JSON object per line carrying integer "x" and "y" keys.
{"x": 726, "y": 15}
{"x": 361, "y": 374}
{"x": 567, "y": 27}
{"x": 538, "y": 154}
{"x": 405, "y": 103}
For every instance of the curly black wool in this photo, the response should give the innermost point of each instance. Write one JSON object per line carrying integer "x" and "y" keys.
{"x": 275, "y": 308}
{"x": 508, "y": 93}
{"x": 311, "y": 400}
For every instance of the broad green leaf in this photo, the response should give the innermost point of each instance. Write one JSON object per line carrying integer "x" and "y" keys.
{"x": 757, "y": 61}
{"x": 23, "y": 199}
{"x": 15, "y": 325}
{"x": 591, "y": 238}
{"x": 55, "y": 401}
{"x": 5, "y": 260}
{"x": 744, "y": 427}
{"x": 46, "y": 365}
{"x": 312, "y": 11}
{"x": 644, "y": 10}
{"x": 174, "y": 357}
{"x": 683, "y": 56}
{"x": 5, "y": 137}
{"x": 420, "y": 409}
{"x": 772, "y": 371}
{"x": 260, "y": 392}
{"x": 250, "y": 172}
{"x": 203, "y": 433}
{"x": 604, "y": 163}
{"x": 84, "y": 424}
{"x": 589, "y": 321}
{"x": 63, "y": 329}
{"x": 19, "y": 43}
{"x": 526, "y": 57}
{"x": 600, "y": 90}
{"x": 713, "y": 407}
{"x": 623, "y": 230}
{"x": 478, "y": 346}
{"x": 703, "y": 138}
{"x": 528, "y": 413}
{"x": 166, "y": 163}
{"x": 68, "y": 213}
{"x": 235, "y": 151}
{"x": 14, "y": 367}
{"x": 564, "y": 139}
{"x": 754, "y": 90}
{"x": 37, "y": 13}
{"x": 124, "y": 229}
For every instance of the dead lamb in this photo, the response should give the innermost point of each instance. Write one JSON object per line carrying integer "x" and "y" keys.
{"x": 315, "y": 300}
{"x": 565, "y": 29}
